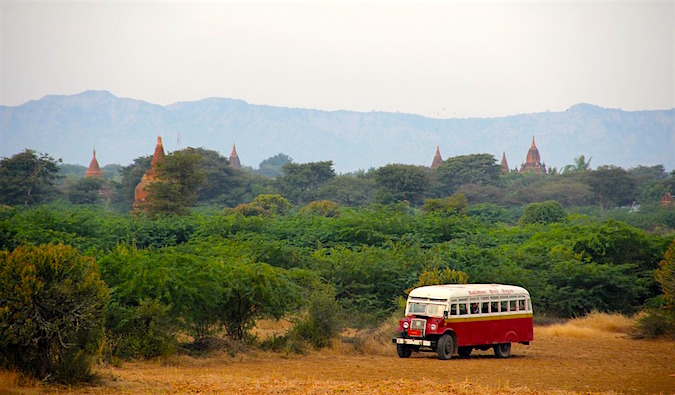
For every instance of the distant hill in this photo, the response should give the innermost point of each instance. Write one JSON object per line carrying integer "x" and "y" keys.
{"x": 121, "y": 129}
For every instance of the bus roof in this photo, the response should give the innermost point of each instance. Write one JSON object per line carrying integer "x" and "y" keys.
{"x": 448, "y": 291}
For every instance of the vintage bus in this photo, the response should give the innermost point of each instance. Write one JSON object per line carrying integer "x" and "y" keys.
{"x": 458, "y": 318}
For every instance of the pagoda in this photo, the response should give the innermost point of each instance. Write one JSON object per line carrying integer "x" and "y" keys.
{"x": 234, "y": 158}
{"x": 150, "y": 176}
{"x": 533, "y": 161}
{"x": 94, "y": 170}
{"x": 437, "y": 159}
{"x": 504, "y": 167}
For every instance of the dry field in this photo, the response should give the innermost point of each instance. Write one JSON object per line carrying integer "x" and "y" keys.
{"x": 591, "y": 355}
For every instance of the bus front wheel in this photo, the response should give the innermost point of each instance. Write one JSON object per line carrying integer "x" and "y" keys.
{"x": 403, "y": 351}
{"x": 502, "y": 350}
{"x": 445, "y": 347}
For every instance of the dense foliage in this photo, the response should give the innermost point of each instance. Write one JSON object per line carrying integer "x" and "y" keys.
{"x": 52, "y": 306}
{"x": 311, "y": 241}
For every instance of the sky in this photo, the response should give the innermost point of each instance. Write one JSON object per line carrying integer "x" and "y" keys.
{"x": 441, "y": 59}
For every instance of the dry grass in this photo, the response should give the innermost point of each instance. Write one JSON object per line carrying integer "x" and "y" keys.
{"x": 13, "y": 382}
{"x": 583, "y": 356}
{"x": 592, "y": 325}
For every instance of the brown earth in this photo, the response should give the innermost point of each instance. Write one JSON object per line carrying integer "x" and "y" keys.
{"x": 558, "y": 361}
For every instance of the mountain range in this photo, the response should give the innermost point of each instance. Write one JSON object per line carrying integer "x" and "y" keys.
{"x": 69, "y": 127}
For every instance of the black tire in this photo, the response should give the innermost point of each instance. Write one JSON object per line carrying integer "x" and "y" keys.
{"x": 464, "y": 351}
{"x": 445, "y": 347}
{"x": 502, "y": 350}
{"x": 403, "y": 351}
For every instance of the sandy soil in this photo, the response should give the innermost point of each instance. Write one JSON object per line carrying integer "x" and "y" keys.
{"x": 551, "y": 364}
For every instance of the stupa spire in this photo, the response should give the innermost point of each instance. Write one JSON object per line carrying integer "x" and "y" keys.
{"x": 234, "y": 158}
{"x": 505, "y": 165}
{"x": 438, "y": 160}
{"x": 94, "y": 170}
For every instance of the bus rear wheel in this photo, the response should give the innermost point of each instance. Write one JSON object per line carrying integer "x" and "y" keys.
{"x": 464, "y": 351}
{"x": 445, "y": 347}
{"x": 502, "y": 350}
{"x": 403, "y": 351}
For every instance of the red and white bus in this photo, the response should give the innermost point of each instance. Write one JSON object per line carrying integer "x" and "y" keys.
{"x": 458, "y": 318}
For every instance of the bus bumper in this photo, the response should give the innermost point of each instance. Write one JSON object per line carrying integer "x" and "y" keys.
{"x": 414, "y": 342}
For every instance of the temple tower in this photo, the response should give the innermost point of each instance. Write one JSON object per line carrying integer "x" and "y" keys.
{"x": 505, "y": 165}
{"x": 234, "y": 158}
{"x": 533, "y": 161}
{"x": 150, "y": 176}
{"x": 94, "y": 170}
{"x": 437, "y": 159}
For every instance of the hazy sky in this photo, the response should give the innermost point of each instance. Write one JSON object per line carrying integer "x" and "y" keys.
{"x": 439, "y": 59}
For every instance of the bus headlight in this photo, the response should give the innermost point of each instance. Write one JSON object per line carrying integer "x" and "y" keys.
{"x": 432, "y": 327}
{"x": 406, "y": 325}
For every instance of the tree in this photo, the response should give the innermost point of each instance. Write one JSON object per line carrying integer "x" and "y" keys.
{"x": 275, "y": 204}
{"x": 301, "y": 182}
{"x": 612, "y": 186}
{"x": 481, "y": 169}
{"x": 580, "y": 164}
{"x": 221, "y": 181}
{"x": 543, "y": 213}
{"x": 178, "y": 181}
{"x": 665, "y": 276}
{"x": 255, "y": 291}
{"x": 86, "y": 191}
{"x": 397, "y": 182}
{"x": 272, "y": 166}
{"x": 349, "y": 190}
{"x": 27, "y": 178}
{"x": 455, "y": 204}
{"x": 52, "y": 308}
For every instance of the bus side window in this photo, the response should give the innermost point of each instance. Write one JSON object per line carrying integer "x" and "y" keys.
{"x": 504, "y": 304}
{"x": 462, "y": 309}
{"x": 484, "y": 307}
{"x": 521, "y": 304}
{"x": 453, "y": 309}
{"x": 512, "y": 305}
{"x": 494, "y": 304}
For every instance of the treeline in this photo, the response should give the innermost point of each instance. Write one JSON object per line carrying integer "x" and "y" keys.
{"x": 211, "y": 267}
{"x": 203, "y": 177}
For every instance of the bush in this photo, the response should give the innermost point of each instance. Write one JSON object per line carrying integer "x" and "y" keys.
{"x": 143, "y": 331}
{"x": 543, "y": 213}
{"x": 326, "y": 208}
{"x": 324, "y": 321}
{"x": 656, "y": 323}
{"x": 52, "y": 308}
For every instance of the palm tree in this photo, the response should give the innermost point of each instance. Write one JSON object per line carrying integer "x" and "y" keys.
{"x": 580, "y": 164}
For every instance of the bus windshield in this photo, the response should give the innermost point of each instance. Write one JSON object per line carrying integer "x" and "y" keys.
{"x": 425, "y": 309}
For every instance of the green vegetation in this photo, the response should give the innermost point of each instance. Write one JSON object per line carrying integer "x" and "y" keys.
{"x": 52, "y": 305}
{"x": 222, "y": 249}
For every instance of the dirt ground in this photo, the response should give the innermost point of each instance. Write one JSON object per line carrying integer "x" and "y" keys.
{"x": 553, "y": 364}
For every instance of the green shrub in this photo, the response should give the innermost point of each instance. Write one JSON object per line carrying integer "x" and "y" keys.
{"x": 250, "y": 210}
{"x": 143, "y": 331}
{"x": 543, "y": 213}
{"x": 52, "y": 308}
{"x": 323, "y": 322}
{"x": 656, "y": 323}
{"x": 326, "y": 208}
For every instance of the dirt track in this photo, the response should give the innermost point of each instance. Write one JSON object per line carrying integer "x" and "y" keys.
{"x": 566, "y": 359}
{"x": 551, "y": 364}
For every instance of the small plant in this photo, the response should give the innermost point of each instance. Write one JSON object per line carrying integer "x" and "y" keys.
{"x": 655, "y": 323}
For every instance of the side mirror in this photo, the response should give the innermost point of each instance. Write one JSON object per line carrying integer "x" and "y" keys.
{"x": 445, "y": 314}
